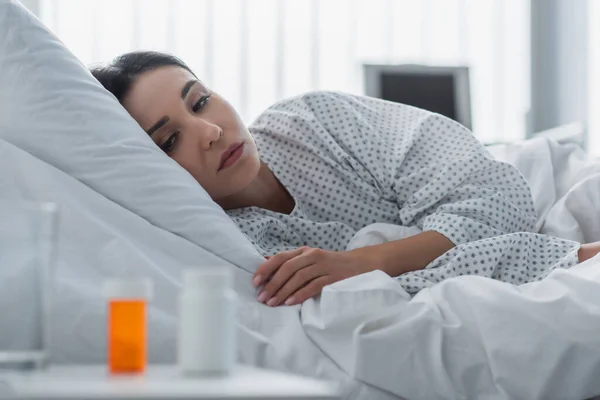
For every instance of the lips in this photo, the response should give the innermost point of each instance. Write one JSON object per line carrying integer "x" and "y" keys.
{"x": 231, "y": 155}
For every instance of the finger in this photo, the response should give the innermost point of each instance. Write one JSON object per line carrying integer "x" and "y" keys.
{"x": 267, "y": 268}
{"x": 312, "y": 289}
{"x": 297, "y": 281}
{"x": 282, "y": 275}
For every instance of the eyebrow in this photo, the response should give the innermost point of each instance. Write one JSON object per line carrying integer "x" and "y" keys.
{"x": 161, "y": 122}
{"x": 187, "y": 87}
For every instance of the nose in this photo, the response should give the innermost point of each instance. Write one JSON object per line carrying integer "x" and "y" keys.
{"x": 209, "y": 133}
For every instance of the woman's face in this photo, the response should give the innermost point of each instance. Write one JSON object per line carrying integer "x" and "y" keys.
{"x": 195, "y": 127}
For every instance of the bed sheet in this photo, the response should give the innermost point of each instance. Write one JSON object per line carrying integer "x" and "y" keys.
{"x": 565, "y": 185}
{"x": 551, "y": 168}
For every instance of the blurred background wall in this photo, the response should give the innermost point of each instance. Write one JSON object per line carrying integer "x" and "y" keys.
{"x": 531, "y": 63}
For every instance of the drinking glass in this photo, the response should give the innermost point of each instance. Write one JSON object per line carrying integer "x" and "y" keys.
{"x": 27, "y": 257}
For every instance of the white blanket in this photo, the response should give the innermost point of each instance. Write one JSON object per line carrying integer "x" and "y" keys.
{"x": 564, "y": 185}
{"x": 468, "y": 337}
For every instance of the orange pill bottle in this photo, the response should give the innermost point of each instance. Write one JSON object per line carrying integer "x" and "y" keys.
{"x": 126, "y": 324}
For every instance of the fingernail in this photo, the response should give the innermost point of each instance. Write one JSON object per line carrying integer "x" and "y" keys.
{"x": 272, "y": 302}
{"x": 262, "y": 297}
{"x": 257, "y": 280}
{"x": 289, "y": 301}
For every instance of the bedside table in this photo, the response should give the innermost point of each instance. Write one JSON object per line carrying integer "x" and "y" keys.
{"x": 160, "y": 382}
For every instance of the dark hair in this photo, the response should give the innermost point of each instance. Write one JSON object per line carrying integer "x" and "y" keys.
{"x": 119, "y": 75}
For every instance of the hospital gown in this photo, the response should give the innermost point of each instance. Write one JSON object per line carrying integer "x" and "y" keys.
{"x": 349, "y": 161}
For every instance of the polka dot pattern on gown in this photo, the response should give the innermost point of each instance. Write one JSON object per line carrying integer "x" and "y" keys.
{"x": 350, "y": 161}
{"x": 515, "y": 258}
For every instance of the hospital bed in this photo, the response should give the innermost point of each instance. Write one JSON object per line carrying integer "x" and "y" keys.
{"x": 64, "y": 139}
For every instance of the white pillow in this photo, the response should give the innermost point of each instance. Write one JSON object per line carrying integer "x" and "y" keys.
{"x": 552, "y": 169}
{"x": 53, "y": 108}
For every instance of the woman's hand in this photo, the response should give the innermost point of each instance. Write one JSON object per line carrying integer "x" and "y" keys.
{"x": 588, "y": 250}
{"x": 291, "y": 277}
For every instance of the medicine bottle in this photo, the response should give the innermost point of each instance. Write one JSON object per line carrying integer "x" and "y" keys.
{"x": 207, "y": 344}
{"x": 126, "y": 324}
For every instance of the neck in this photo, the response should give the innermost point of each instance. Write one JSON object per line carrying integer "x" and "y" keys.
{"x": 265, "y": 191}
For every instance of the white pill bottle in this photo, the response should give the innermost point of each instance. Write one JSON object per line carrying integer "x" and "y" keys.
{"x": 207, "y": 308}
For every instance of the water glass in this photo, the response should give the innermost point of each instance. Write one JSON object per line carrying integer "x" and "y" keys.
{"x": 27, "y": 257}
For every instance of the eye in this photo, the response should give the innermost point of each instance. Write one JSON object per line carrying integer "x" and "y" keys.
{"x": 200, "y": 103}
{"x": 170, "y": 143}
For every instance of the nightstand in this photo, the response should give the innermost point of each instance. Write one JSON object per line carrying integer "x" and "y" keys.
{"x": 160, "y": 382}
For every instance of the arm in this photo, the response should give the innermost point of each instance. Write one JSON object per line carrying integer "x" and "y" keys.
{"x": 440, "y": 176}
{"x": 400, "y": 256}
{"x": 291, "y": 277}
{"x": 587, "y": 251}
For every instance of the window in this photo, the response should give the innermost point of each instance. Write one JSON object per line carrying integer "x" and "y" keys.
{"x": 255, "y": 52}
{"x": 594, "y": 78}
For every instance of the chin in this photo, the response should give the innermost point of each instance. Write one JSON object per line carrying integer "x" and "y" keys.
{"x": 254, "y": 163}
{"x": 248, "y": 172}
{"x": 243, "y": 177}
{"x": 251, "y": 167}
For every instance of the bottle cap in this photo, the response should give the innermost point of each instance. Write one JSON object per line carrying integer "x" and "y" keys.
{"x": 124, "y": 288}
{"x": 208, "y": 279}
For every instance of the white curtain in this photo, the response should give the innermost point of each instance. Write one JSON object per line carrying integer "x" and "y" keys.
{"x": 255, "y": 52}
{"x": 594, "y": 78}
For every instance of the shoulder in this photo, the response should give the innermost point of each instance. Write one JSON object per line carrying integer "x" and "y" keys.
{"x": 296, "y": 119}
{"x": 339, "y": 105}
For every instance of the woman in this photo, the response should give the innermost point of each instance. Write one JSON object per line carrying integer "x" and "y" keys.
{"x": 313, "y": 170}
